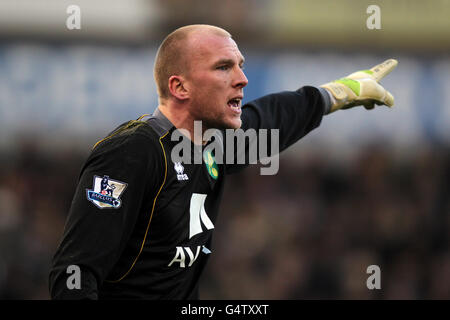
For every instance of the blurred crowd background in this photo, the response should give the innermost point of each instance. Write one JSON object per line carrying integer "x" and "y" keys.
{"x": 365, "y": 188}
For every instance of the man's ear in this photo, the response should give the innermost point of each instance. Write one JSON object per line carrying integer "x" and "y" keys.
{"x": 177, "y": 88}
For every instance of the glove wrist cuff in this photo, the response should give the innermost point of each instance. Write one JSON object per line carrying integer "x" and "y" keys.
{"x": 327, "y": 99}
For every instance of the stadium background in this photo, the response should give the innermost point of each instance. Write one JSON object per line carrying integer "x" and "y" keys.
{"x": 365, "y": 188}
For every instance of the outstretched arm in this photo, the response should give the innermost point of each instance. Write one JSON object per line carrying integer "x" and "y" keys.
{"x": 295, "y": 113}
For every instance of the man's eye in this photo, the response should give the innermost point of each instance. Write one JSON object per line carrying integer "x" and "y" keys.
{"x": 222, "y": 68}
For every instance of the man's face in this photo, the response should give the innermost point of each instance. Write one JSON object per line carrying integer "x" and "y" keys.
{"x": 215, "y": 81}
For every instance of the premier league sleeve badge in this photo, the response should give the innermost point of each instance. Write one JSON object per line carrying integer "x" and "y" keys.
{"x": 106, "y": 192}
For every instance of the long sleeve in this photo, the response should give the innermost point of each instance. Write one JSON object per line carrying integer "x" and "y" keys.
{"x": 293, "y": 113}
{"x": 118, "y": 175}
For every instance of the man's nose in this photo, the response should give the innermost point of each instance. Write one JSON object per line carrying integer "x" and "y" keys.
{"x": 241, "y": 80}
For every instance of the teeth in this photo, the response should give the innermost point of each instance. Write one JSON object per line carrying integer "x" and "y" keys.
{"x": 234, "y": 103}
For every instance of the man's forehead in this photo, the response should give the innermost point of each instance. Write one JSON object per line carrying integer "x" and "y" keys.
{"x": 214, "y": 46}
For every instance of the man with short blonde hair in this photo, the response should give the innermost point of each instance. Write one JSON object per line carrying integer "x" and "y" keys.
{"x": 150, "y": 235}
{"x": 173, "y": 54}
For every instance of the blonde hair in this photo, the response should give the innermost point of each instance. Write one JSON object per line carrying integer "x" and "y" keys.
{"x": 171, "y": 56}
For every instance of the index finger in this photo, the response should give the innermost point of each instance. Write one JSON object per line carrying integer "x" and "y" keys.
{"x": 383, "y": 69}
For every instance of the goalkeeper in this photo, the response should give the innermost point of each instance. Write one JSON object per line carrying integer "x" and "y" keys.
{"x": 140, "y": 224}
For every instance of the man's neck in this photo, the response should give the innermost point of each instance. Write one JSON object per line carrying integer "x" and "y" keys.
{"x": 182, "y": 119}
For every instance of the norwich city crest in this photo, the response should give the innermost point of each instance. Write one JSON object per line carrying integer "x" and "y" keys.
{"x": 211, "y": 164}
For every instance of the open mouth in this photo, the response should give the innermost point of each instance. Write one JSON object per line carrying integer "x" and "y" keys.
{"x": 235, "y": 104}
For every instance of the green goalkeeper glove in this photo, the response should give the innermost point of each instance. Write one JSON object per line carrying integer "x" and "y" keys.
{"x": 361, "y": 88}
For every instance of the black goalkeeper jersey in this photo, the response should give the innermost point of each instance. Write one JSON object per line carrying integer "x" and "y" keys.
{"x": 140, "y": 226}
